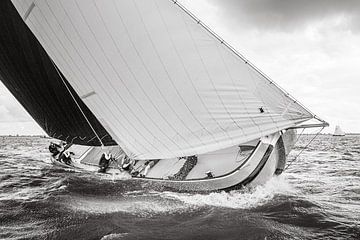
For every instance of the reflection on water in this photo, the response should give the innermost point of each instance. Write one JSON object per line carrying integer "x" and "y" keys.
{"x": 318, "y": 197}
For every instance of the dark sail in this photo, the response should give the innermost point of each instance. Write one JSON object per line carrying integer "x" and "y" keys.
{"x": 27, "y": 71}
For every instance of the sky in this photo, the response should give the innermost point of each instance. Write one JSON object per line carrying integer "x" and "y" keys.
{"x": 311, "y": 48}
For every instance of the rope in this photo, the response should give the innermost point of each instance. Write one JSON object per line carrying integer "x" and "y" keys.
{"x": 290, "y": 163}
{"x": 77, "y": 104}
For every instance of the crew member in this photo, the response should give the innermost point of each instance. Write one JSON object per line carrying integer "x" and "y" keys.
{"x": 66, "y": 157}
{"x": 105, "y": 162}
{"x": 54, "y": 149}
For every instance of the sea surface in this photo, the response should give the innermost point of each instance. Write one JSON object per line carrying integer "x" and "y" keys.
{"x": 318, "y": 197}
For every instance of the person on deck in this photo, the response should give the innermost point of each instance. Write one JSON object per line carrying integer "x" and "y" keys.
{"x": 66, "y": 157}
{"x": 104, "y": 162}
{"x": 127, "y": 164}
{"x": 146, "y": 169}
{"x": 54, "y": 149}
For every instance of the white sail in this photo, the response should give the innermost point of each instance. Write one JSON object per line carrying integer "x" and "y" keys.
{"x": 159, "y": 81}
{"x": 338, "y": 131}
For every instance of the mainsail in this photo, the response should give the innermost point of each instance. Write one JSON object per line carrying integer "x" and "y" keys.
{"x": 26, "y": 70}
{"x": 160, "y": 82}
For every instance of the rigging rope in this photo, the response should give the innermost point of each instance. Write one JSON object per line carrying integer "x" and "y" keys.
{"x": 290, "y": 163}
{"x": 77, "y": 104}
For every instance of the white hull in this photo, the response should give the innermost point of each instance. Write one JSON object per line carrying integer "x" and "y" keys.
{"x": 254, "y": 167}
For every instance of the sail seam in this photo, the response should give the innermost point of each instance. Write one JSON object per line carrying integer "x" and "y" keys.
{"x": 77, "y": 104}
{"x": 188, "y": 76}
{"x": 202, "y": 101}
{"x": 92, "y": 74}
{"x": 121, "y": 79}
{"x": 169, "y": 77}
{"x": 260, "y": 95}
{"x": 40, "y": 35}
{"x": 90, "y": 71}
{"x": 139, "y": 84}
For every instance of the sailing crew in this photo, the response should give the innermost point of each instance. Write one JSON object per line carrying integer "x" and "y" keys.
{"x": 127, "y": 164}
{"x": 66, "y": 157}
{"x": 146, "y": 170}
{"x": 104, "y": 162}
{"x": 54, "y": 149}
{"x": 143, "y": 170}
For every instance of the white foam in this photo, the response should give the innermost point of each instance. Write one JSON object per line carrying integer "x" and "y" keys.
{"x": 143, "y": 206}
{"x": 114, "y": 236}
{"x": 246, "y": 198}
{"x": 149, "y": 203}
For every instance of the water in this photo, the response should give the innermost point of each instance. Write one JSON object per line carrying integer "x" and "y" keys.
{"x": 317, "y": 198}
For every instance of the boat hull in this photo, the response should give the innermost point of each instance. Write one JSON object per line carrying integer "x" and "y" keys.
{"x": 267, "y": 158}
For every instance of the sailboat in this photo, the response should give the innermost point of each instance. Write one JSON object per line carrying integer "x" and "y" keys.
{"x": 338, "y": 131}
{"x": 148, "y": 81}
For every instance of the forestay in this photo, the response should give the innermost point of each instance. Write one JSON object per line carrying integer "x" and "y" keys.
{"x": 160, "y": 83}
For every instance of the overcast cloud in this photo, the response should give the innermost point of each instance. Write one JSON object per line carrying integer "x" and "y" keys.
{"x": 288, "y": 15}
{"x": 310, "y": 47}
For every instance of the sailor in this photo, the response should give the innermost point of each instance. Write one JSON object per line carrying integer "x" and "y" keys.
{"x": 66, "y": 157}
{"x": 54, "y": 149}
{"x": 127, "y": 164}
{"x": 62, "y": 147}
{"x": 105, "y": 162}
{"x": 209, "y": 174}
{"x": 145, "y": 168}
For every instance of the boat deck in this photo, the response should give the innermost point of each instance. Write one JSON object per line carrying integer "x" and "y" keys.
{"x": 218, "y": 163}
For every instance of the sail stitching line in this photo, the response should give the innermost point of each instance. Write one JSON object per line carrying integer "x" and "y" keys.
{"x": 252, "y": 118}
{"x": 234, "y": 85}
{"x": 87, "y": 120}
{"x": 60, "y": 52}
{"x": 121, "y": 80}
{"x": 40, "y": 35}
{"x": 92, "y": 74}
{"x": 169, "y": 77}
{"x": 64, "y": 47}
{"x": 262, "y": 99}
{"x": 115, "y": 88}
{"x": 202, "y": 101}
{"x": 187, "y": 74}
{"x": 155, "y": 124}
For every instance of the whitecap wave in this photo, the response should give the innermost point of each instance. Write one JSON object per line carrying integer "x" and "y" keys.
{"x": 240, "y": 199}
{"x": 114, "y": 236}
{"x": 144, "y": 206}
{"x": 149, "y": 203}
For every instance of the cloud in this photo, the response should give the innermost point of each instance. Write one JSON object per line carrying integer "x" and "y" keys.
{"x": 287, "y": 15}
{"x": 309, "y": 47}
{"x": 10, "y": 109}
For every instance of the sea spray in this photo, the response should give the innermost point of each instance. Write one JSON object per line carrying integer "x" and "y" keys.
{"x": 239, "y": 199}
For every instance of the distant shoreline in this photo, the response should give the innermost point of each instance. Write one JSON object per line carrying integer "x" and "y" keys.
{"x": 40, "y": 136}
{"x": 44, "y": 136}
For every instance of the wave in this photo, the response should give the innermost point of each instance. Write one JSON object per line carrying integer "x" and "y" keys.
{"x": 238, "y": 199}
{"x": 148, "y": 203}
